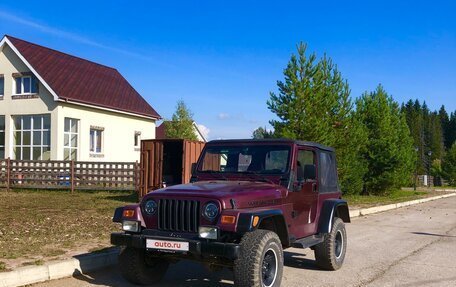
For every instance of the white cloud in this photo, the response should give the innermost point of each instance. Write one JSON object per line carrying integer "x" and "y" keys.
{"x": 223, "y": 116}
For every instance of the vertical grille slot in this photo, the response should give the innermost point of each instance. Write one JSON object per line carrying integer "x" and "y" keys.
{"x": 178, "y": 215}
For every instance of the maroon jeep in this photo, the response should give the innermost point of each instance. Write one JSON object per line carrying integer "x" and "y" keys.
{"x": 248, "y": 200}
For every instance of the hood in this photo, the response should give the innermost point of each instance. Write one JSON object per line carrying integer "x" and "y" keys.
{"x": 246, "y": 194}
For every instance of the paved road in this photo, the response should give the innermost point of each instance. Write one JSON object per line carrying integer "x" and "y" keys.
{"x": 414, "y": 246}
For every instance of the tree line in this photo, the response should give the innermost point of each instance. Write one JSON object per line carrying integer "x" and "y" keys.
{"x": 380, "y": 144}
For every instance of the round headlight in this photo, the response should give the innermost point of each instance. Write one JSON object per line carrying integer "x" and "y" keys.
{"x": 150, "y": 207}
{"x": 211, "y": 211}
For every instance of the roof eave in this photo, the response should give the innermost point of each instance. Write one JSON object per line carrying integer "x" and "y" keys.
{"x": 35, "y": 73}
{"x": 90, "y": 105}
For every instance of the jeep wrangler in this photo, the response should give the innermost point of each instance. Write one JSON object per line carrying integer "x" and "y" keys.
{"x": 248, "y": 200}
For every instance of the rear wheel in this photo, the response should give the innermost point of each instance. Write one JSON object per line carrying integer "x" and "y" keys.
{"x": 260, "y": 263}
{"x": 330, "y": 254}
{"x": 139, "y": 269}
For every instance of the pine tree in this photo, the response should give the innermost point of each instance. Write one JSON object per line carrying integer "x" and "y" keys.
{"x": 181, "y": 125}
{"x": 262, "y": 133}
{"x": 451, "y": 130}
{"x": 436, "y": 139}
{"x": 389, "y": 153}
{"x": 449, "y": 165}
{"x": 313, "y": 103}
{"x": 413, "y": 115}
{"x": 445, "y": 123}
{"x": 426, "y": 129}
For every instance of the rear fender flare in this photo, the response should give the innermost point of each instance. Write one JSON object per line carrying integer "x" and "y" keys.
{"x": 332, "y": 208}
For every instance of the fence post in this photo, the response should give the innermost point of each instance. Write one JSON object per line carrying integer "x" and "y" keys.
{"x": 8, "y": 174}
{"x": 72, "y": 175}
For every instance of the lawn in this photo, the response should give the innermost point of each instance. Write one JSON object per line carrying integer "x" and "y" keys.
{"x": 44, "y": 225}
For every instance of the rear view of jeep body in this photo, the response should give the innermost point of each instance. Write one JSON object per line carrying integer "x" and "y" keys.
{"x": 248, "y": 200}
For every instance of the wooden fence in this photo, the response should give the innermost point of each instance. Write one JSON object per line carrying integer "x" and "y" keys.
{"x": 72, "y": 175}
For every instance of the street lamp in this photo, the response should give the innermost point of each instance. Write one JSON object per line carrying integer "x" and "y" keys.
{"x": 429, "y": 168}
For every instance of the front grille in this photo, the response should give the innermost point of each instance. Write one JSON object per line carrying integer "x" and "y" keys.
{"x": 178, "y": 215}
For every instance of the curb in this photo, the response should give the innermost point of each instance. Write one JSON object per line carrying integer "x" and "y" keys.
{"x": 82, "y": 264}
{"x": 376, "y": 209}
{"x": 79, "y": 264}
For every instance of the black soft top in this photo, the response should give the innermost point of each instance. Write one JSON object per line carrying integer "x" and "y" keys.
{"x": 274, "y": 141}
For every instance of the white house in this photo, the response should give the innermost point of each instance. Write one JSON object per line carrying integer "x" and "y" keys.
{"x": 60, "y": 107}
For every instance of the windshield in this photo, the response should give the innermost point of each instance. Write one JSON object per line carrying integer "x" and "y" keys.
{"x": 258, "y": 159}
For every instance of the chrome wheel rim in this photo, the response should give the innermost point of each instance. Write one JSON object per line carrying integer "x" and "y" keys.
{"x": 339, "y": 244}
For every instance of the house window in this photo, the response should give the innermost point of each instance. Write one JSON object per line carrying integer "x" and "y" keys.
{"x": 96, "y": 140}
{"x": 137, "y": 139}
{"x": 26, "y": 85}
{"x": 2, "y": 137}
{"x": 32, "y": 137}
{"x": 2, "y": 86}
{"x": 70, "y": 139}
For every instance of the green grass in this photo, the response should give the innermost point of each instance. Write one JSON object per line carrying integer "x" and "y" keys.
{"x": 394, "y": 197}
{"x": 37, "y": 224}
{"x": 2, "y": 266}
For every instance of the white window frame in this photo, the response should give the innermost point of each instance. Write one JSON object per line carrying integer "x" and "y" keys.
{"x": 21, "y": 92}
{"x": 70, "y": 135}
{"x": 2, "y": 78}
{"x": 137, "y": 139}
{"x": 32, "y": 131}
{"x": 98, "y": 132}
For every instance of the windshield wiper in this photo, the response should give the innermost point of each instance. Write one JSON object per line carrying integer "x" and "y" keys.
{"x": 258, "y": 176}
{"x": 216, "y": 174}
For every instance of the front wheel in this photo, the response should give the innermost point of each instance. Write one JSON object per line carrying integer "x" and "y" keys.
{"x": 260, "y": 263}
{"x": 139, "y": 269}
{"x": 330, "y": 254}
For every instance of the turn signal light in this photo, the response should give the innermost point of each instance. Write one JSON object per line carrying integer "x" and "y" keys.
{"x": 255, "y": 221}
{"x": 228, "y": 219}
{"x": 128, "y": 213}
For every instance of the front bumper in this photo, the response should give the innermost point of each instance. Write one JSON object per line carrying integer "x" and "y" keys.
{"x": 197, "y": 248}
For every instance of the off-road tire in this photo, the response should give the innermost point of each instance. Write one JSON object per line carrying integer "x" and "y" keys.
{"x": 330, "y": 254}
{"x": 138, "y": 269}
{"x": 259, "y": 250}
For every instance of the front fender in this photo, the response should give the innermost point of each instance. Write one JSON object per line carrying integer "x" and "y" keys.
{"x": 245, "y": 221}
{"x": 273, "y": 219}
{"x": 332, "y": 208}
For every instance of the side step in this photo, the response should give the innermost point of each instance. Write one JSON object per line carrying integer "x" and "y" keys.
{"x": 307, "y": 242}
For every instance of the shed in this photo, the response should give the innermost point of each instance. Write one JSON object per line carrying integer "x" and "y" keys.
{"x": 167, "y": 162}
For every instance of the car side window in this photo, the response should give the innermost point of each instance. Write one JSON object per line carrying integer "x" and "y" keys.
{"x": 304, "y": 157}
{"x": 328, "y": 172}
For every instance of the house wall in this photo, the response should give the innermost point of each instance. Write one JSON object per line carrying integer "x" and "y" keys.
{"x": 44, "y": 104}
{"x": 118, "y": 133}
{"x": 119, "y": 129}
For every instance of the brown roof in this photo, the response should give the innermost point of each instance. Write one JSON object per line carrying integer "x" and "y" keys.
{"x": 79, "y": 80}
{"x": 160, "y": 131}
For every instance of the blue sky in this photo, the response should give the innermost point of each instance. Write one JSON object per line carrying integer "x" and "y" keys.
{"x": 224, "y": 57}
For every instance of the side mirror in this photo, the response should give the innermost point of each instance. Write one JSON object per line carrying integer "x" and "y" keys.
{"x": 193, "y": 168}
{"x": 310, "y": 172}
